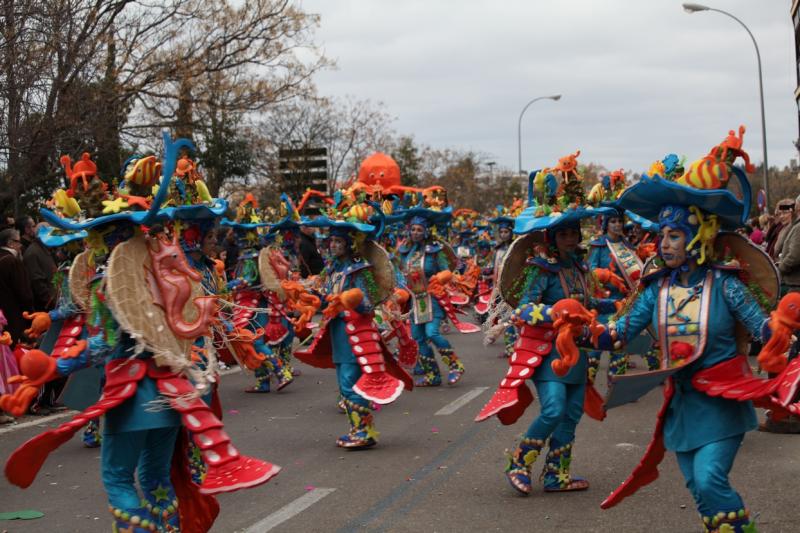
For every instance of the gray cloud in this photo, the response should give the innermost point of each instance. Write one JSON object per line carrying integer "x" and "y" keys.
{"x": 639, "y": 78}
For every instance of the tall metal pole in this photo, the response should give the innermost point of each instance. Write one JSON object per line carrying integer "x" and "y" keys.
{"x": 692, "y": 8}
{"x": 555, "y": 97}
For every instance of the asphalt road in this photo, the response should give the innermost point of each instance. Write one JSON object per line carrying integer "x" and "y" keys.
{"x": 429, "y": 472}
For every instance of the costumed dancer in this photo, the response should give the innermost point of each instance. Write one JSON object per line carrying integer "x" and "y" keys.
{"x": 491, "y": 300}
{"x": 140, "y": 290}
{"x": 426, "y": 264}
{"x": 703, "y": 291}
{"x": 358, "y": 277}
{"x": 65, "y": 324}
{"x": 255, "y": 317}
{"x": 614, "y": 263}
{"x": 543, "y": 267}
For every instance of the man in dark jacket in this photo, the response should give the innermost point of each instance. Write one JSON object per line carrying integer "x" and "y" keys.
{"x": 41, "y": 266}
{"x": 15, "y": 288}
{"x": 311, "y": 262}
{"x": 27, "y": 231}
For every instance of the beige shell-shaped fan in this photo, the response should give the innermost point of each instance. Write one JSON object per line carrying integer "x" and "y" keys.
{"x": 79, "y": 278}
{"x": 131, "y": 301}
{"x": 514, "y": 263}
{"x": 382, "y": 268}
{"x": 270, "y": 278}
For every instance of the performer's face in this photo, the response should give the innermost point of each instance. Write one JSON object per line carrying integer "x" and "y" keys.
{"x": 504, "y": 234}
{"x": 615, "y": 226}
{"x": 417, "y": 233}
{"x": 673, "y": 247}
{"x": 209, "y": 243}
{"x": 338, "y": 247}
{"x": 567, "y": 240}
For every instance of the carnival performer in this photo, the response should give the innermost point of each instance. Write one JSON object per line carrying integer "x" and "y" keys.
{"x": 358, "y": 277}
{"x": 139, "y": 289}
{"x": 696, "y": 294}
{"x": 504, "y": 221}
{"x": 552, "y": 270}
{"x": 426, "y": 264}
{"x": 254, "y": 315}
{"x": 65, "y": 324}
{"x": 614, "y": 263}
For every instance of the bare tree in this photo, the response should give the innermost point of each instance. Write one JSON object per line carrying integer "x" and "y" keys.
{"x": 94, "y": 75}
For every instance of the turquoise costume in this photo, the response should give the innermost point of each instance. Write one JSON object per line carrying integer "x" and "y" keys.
{"x": 419, "y": 262}
{"x": 254, "y": 309}
{"x": 601, "y": 256}
{"x": 546, "y": 278}
{"x": 562, "y": 397}
{"x": 145, "y": 402}
{"x": 694, "y": 309}
{"x": 348, "y": 340}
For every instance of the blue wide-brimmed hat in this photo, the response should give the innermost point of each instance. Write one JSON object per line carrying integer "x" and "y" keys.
{"x": 143, "y": 217}
{"x": 533, "y": 218}
{"x": 646, "y": 224}
{"x": 647, "y": 197}
{"x": 54, "y": 237}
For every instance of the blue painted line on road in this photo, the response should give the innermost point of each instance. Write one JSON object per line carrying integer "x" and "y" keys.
{"x": 438, "y": 481}
{"x": 360, "y": 522}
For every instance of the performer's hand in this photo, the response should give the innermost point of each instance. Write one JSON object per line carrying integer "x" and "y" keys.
{"x": 334, "y": 306}
{"x": 40, "y": 323}
{"x": 5, "y": 339}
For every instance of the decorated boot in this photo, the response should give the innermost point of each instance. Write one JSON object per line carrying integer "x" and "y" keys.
{"x": 362, "y": 433}
{"x": 431, "y": 377}
{"x": 197, "y": 467}
{"x": 285, "y": 376}
{"x": 652, "y": 358}
{"x": 162, "y": 504}
{"x": 133, "y": 521}
{"x": 594, "y": 365}
{"x": 91, "y": 435}
{"x": 518, "y": 470}
{"x": 454, "y": 365}
{"x": 262, "y": 379}
{"x": 618, "y": 363}
{"x": 731, "y": 522}
{"x": 419, "y": 370}
{"x": 556, "y": 474}
{"x": 509, "y": 339}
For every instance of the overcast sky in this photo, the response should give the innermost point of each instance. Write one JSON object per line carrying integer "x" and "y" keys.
{"x": 639, "y": 78}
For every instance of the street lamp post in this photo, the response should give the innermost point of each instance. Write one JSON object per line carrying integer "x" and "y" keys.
{"x": 555, "y": 98}
{"x": 693, "y": 8}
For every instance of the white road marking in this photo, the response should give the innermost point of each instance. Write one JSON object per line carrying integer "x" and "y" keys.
{"x": 38, "y": 421}
{"x": 289, "y": 510}
{"x": 460, "y": 402}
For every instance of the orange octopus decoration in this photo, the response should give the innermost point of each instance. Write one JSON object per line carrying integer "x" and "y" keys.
{"x": 569, "y": 319}
{"x": 785, "y": 320}
{"x": 300, "y": 300}
{"x": 83, "y": 171}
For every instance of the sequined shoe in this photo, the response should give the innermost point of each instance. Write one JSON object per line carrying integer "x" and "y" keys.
{"x": 518, "y": 469}
{"x": 556, "y": 475}
{"x": 455, "y": 368}
{"x": 133, "y": 521}
{"x": 362, "y": 433}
